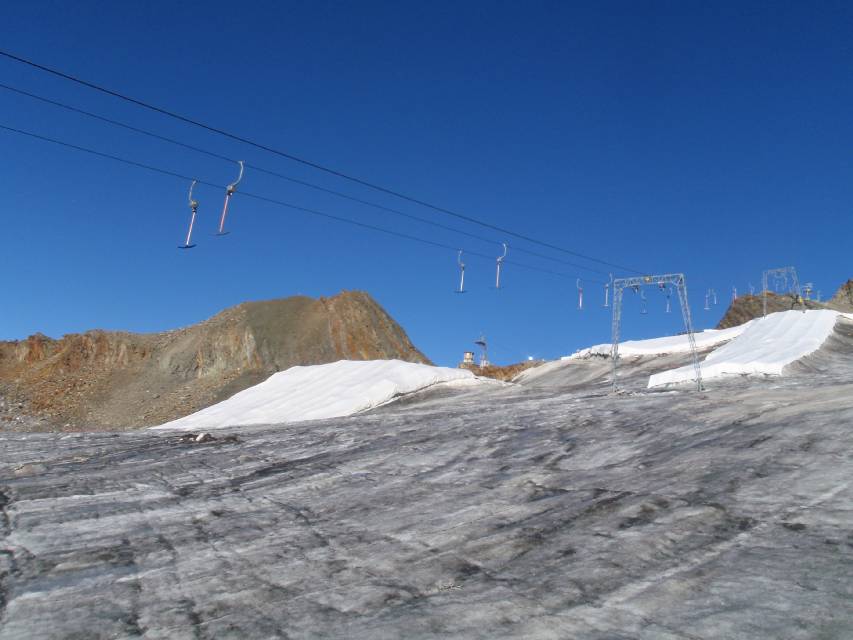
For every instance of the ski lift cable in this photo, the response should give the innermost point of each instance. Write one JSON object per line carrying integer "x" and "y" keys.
{"x": 291, "y": 179}
{"x": 274, "y": 201}
{"x": 308, "y": 163}
{"x": 396, "y": 233}
{"x": 181, "y": 176}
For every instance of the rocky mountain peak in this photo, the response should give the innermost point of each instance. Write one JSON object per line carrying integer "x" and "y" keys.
{"x": 114, "y": 379}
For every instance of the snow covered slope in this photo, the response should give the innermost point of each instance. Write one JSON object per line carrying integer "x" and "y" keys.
{"x": 322, "y": 391}
{"x": 667, "y": 344}
{"x": 765, "y": 346}
{"x": 651, "y": 347}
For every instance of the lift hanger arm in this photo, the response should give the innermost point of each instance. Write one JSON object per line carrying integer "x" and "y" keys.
{"x": 194, "y": 210}
{"x": 233, "y": 186}
{"x": 229, "y": 191}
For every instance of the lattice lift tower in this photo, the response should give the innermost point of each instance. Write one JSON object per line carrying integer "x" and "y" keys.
{"x": 782, "y": 274}
{"x": 637, "y": 283}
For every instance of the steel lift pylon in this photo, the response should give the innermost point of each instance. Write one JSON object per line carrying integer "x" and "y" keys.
{"x": 678, "y": 281}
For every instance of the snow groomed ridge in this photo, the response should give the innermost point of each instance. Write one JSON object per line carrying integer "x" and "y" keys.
{"x": 665, "y": 345}
{"x": 323, "y": 391}
{"x": 764, "y": 346}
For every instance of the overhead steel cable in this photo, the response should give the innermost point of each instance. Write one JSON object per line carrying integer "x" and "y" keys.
{"x": 309, "y": 163}
{"x": 276, "y": 174}
{"x": 282, "y": 203}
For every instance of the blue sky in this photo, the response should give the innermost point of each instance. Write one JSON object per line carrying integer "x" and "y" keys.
{"x": 708, "y": 138}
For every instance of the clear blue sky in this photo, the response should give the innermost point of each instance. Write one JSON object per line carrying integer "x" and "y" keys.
{"x": 708, "y": 138}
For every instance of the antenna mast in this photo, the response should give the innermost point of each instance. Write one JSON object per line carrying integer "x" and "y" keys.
{"x": 484, "y": 357}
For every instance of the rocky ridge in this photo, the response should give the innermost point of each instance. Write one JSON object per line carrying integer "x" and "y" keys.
{"x": 843, "y": 298}
{"x": 749, "y": 307}
{"x": 116, "y": 379}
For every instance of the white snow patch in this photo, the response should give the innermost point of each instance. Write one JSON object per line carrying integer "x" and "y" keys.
{"x": 662, "y": 346}
{"x": 322, "y": 391}
{"x": 764, "y": 347}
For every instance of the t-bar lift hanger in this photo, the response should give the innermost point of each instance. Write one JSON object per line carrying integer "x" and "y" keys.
{"x": 194, "y": 209}
{"x": 500, "y": 265}
{"x": 229, "y": 191}
{"x": 461, "y": 272}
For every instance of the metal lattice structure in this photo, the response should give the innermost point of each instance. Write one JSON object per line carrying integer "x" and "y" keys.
{"x": 637, "y": 283}
{"x": 782, "y": 274}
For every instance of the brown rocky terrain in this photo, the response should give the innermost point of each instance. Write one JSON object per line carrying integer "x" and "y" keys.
{"x": 843, "y": 298}
{"x": 504, "y": 373}
{"x": 121, "y": 380}
{"x": 746, "y": 308}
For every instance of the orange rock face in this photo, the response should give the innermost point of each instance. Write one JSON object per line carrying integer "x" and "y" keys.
{"x": 119, "y": 380}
